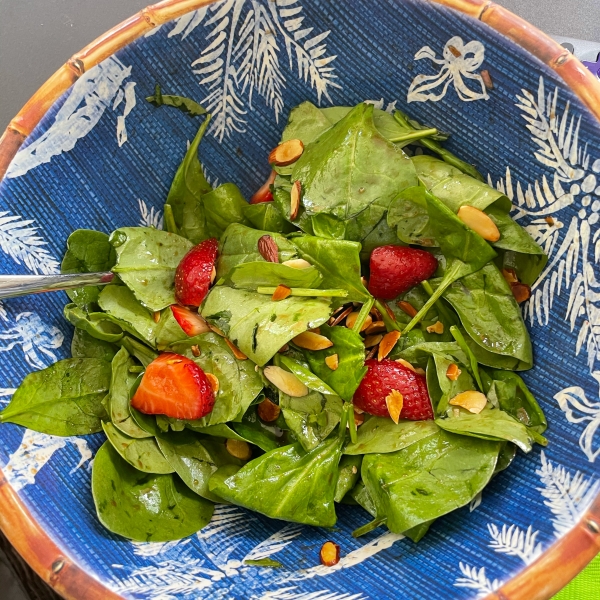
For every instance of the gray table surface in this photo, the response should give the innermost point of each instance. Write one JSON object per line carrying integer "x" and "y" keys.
{"x": 38, "y": 36}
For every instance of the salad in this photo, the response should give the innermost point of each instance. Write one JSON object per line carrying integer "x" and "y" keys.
{"x": 352, "y": 335}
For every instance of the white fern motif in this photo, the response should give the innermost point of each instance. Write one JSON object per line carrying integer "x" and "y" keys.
{"x": 290, "y": 593}
{"x": 515, "y": 542}
{"x": 149, "y": 217}
{"x": 126, "y": 94}
{"x": 476, "y": 502}
{"x": 274, "y": 543}
{"x": 476, "y": 579}
{"x": 242, "y": 58}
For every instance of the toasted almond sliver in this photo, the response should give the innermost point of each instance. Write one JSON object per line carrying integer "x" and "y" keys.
{"x": 453, "y": 372}
{"x": 281, "y": 293}
{"x": 394, "y": 402}
{"x": 332, "y": 361}
{"x": 340, "y": 316}
{"x": 214, "y": 382}
{"x": 472, "y": 401}
{"x": 312, "y": 341}
{"x": 195, "y": 350}
{"x": 268, "y": 411}
{"x": 364, "y": 281}
{"x": 359, "y": 418}
{"x": 372, "y": 352}
{"x": 295, "y": 199}
{"x": 213, "y": 274}
{"x": 521, "y": 292}
{"x": 437, "y": 327}
{"x": 387, "y": 344}
{"x": 315, "y": 330}
{"x": 297, "y": 263}
{"x": 236, "y": 351}
{"x": 216, "y": 330}
{"x": 479, "y": 222}
{"x": 510, "y": 275}
{"x": 286, "y": 153}
{"x": 330, "y": 554}
{"x": 156, "y": 316}
{"x": 406, "y": 364}
{"x": 407, "y": 307}
{"x": 375, "y": 327}
{"x": 351, "y": 320}
{"x": 239, "y": 449}
{"x": 373, "y": 340}
{"x": 287, "y": 382}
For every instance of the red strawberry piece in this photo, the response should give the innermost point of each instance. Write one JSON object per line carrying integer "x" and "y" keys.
{"x": 195, "y": 273}
{"x": 385, "y": 376}
{"x": 264, "y": 194}
{"x": 396, "y": 269}
{"x": 190, "y": 321}
{"x": 175, "y": 386}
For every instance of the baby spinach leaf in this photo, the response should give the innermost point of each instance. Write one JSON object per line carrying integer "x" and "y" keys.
{"x": 348, "y": 475}
{"x": 267, "y": 217}
{"x": 168, "y": 331}
{"x": 254, "y": 431}
{"x": 258, "y": 326}
{"x": 223, "y": 206}
{"x": 195, "y": 460}
{"x": 140, "y": 351}
{"x": 307, "y": 122}
{"x": 142, "y": 506}
{"x": 146, "y": 263}
{"x": 380, "y": 435}
{"x": 186, "y": 105}
{"x": 86, "y": 346}
{"x": 360, "y": 494}
{"x": 430, "y": 478}
{"x": 287, "y": 483}
{"x": 409, "y": 216}
{"x": 239, "y": 383}
{"x": 63, "y": 399}
{"x": 350, "y": 349}
{"x": 142, "y": 453}
{"x": 305, "y": 375}
{"x": 97, "y": 324}
{"x": 338, "y": 261}
{"x": 88, "y": 251}
{"x": 351, "y": 165}
{"x": 489, "y": 424}
{"x": 263, "y": 562}
{"x": 251, "y": 275}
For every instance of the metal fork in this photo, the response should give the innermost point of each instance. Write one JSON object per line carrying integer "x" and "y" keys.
{"x": 12, "y": 286}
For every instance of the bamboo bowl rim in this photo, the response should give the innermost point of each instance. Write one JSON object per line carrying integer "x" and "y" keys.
{"x": 540, "y": 580}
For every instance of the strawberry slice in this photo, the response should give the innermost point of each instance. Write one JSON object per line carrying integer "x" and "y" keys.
{"x": 195, "y": 273}
{"x": 175, "y": 386}
{"x": 385, "y": 376}
{"x": 264, "y": 193}
{"x": 396, "y": 269}
{"x": 190, "y": 321}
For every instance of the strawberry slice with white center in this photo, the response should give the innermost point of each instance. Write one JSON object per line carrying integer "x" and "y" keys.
{"x": 190, "y": 321}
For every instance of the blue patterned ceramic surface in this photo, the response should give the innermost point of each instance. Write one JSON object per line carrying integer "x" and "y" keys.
{"x": 103, "y": 157}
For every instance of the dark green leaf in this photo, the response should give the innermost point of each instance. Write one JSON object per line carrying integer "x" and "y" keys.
{"x": 186, "y": 105}
{"x": 86, "y": 346}
{"x": 223, "y": 206}
{"x": 254, "y": 431}
{"x": 97, "y": 324}
{"x": 141, "y": 352}
{"x": 263, "y": 562}
{"x": 267, "y": 217}
{"x": 349, "y": 474}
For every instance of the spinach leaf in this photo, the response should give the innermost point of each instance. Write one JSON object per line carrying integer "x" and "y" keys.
{"x": 349, "y": 474}
{"x": 430, "y": 478}
{"x": 267, "y": 217}
{"x": 304, "y": 374}
{"x": 195, "y": 460}
{"x": 146, "y": 263}
{"x": 339, "y": 263}
{"x": 380, "y": 435}
{"x": 140, "y": 351}
{"x": 141, "y": 506}
{"x": 350, "y": 349}
{"x": 63, "y": 399}
{"x": 251, "y": 275}
{"x": 360, "y": 494}
{"x": 258, "y": 326}
{"x": 186, "y": 105}
{"x": 84, "y": 345}
{"x": 409, "y": 216}
{"x": 351, "y": 165}
{"x": 168, "y": 331}
{"x": 142, "y": 453}
{"x": 239, "y": 383}
{"x": 97, "y": 324}
{"x": 223, "y": 206}
{"x": 489, "y": 424}
{"x": 88, "y": 251}
{"x": 307, "y": 122}
{"x": 263, "y": 562}
{"x": 254, "y": 431}
{"x": 287, "y": 483}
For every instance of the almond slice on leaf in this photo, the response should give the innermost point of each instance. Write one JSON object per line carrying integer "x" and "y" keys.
{"x": 373, "y": 340}
{"x": 281, "y": 293}
{"x": 407, "y": 308}
{"x": 376, "y": 327}
{"x": 479, "y": 222}
{"x": 214, "y": 382}
{"x": 437, "y": 327}
{"x": 297, "y": 263}
{"x": 295, "y": 199}
{"x": 267, "y": 247}
{"x": 286, "y": 153}
{"x": 332, "y": 362}
{"x": 330, "y": 554}
{"x": 285, "y": 381}
{"x": 236, "y": 351}
{"x": 406, "y": 364}
{"x": 239, "y": 449}
{"x": 394, "y": 402}
{"x": 453, "y": 372}
{"x": 351, "y": 320}
{"x": 312, "y": 341}
{"x": 472, "y": 401}
{"x": 387, "y": 344}
{"x": 268, "y": 411}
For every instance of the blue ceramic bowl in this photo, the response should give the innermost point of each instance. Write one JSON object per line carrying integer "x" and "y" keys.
{"x": 102, "y": 157}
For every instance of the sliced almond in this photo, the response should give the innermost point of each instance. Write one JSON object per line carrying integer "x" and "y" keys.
{"x": 214, "y": 382}
{"x": 472, "y": 401}
{"x": 156, "y": 316}
{"x": 437, "y": 327}
{"x": 376, "y": 314}
{"x": 286, "y": 153}
{"x": 295, "y": 199}
{"x": 364, "y": 281}
{"x": 394, "y": 402}
{"x": 373, "y": 340}
{"x": 297, "y": 263}
{"x": 340, "y": 316}
{"x": 479, "y": 222}
{"x": 549, "y": 220}
{"x": 453, "y": 372}
{"x": 236, "y": 351}
{"x": 316, "y": 330}
{"x": 387, "y": 344}
{"x": 330, "y": 554}
{"x": 372, "y": 352}
{"x": 195, "y": 350}
{"x": 239, "y": 449}
{"x": 285, "y": 381}
{"x": 281, "y": 293}
{"x": 213, "y": 274}
{"x": 216, "y": 330}
{"x": 312, "y": 341}
{"x": 375, "y": 327}
{"x": 267, "y": 247}
{"x": 521, "y": 292}
{"x": 351, "y": 320}
{"x": 389, "y": 311}
{"x": 407, "y": 307}
{"x": 268, "y": 411}
{"x": 406, "y": 364}
{"x": 359, "y": 418}
{"x": 510, "y": 275}
{"x": 332, "y": 362}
